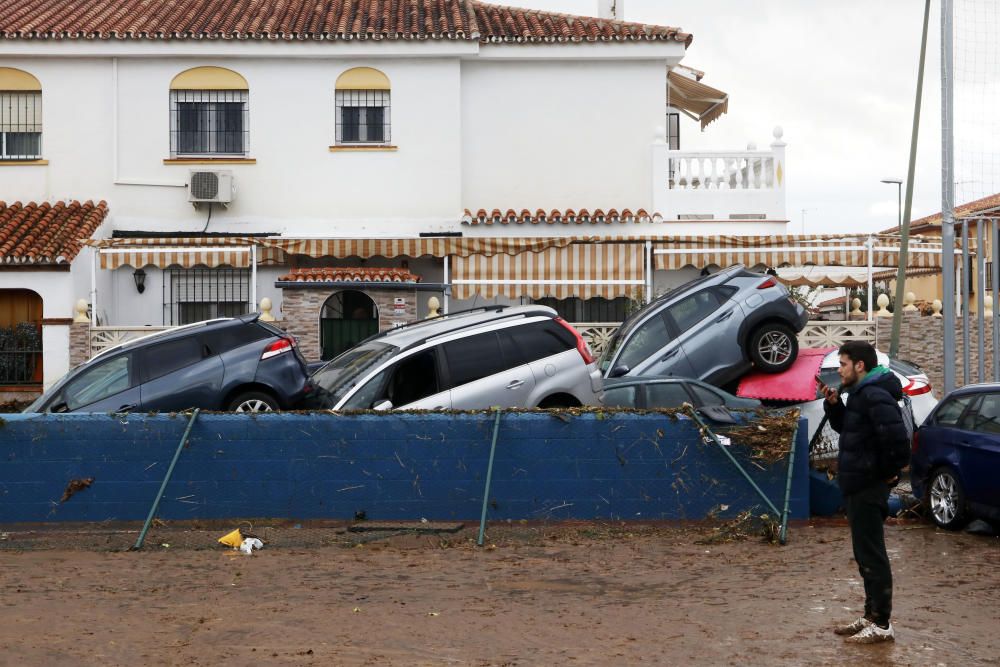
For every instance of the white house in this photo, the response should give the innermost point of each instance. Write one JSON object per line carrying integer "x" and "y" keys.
{"x": 349, "y": 160}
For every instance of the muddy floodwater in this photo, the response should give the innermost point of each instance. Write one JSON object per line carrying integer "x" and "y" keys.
{"x": 582, "y": 594}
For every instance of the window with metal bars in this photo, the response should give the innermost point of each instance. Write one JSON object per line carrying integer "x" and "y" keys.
{"x": 193, "y": 295}
{"x": 209, "y": 122}
{"x": 362, "y": 117}
{"x": 20, "y": 125}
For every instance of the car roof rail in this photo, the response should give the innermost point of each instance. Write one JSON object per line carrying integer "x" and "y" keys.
{"x": 481, "y": 309}
{"x": 470, "y": 325}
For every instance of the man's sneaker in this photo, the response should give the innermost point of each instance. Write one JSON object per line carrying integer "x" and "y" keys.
{"x": 853, "y": 628}
{"x": 873, "y": 634}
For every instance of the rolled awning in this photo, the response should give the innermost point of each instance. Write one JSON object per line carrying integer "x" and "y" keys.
{"x": 700, "y": 102}
{"x": 413, "y": 247}
{"x": 796, "y": 251}
{"x": 584, "y": 271}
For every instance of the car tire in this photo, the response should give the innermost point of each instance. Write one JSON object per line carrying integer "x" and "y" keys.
{"x": 946, "y": 500}
{"x": 773, "y": 348}
{"x": 253, "y": 401}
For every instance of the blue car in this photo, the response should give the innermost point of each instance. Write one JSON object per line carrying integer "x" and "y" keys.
{"x": 956, "y": 458}
{"x": 235, "y": 364}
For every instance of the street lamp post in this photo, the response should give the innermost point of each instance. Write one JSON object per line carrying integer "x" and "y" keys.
{"x": 898, "y": 182}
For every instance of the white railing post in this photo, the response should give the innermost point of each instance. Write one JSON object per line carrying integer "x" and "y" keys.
{"x": 661, "y": 180}
{"x": 778, "y": 165}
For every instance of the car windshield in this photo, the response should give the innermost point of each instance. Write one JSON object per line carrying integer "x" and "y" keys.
{"x": 340, "y": 375}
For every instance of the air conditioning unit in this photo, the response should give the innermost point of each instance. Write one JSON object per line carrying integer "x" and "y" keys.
{"x": 210, "y": 187}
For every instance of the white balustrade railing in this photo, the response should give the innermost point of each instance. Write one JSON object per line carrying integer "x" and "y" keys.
{"x": 714, "y": 170}
{"x": 101, "y": 338}
{"x": 835, "y": 334}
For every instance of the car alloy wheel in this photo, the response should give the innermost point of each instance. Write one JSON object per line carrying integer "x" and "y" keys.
{"x": 775, "y": 347}
{"x": 253, "y": 405}
{"x": 945, "y": 498}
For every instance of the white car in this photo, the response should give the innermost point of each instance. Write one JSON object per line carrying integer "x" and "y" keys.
{"x": 915, "y": 383}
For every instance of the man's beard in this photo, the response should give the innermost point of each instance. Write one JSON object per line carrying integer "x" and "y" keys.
{"x": 847, "y": 384}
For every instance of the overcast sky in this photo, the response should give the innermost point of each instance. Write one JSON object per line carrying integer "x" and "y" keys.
{"x": 839, "y": 77}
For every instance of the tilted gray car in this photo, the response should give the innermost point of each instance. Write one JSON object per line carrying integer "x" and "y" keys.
{"x": 521, "y": 356}
{"x": 714, "y": 329}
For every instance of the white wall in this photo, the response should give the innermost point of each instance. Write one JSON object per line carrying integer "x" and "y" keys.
{"x": 560, "y": 134}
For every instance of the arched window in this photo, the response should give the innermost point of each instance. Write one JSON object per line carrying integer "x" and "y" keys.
{"x": 209, "y": 113}
{"x": 20, "y": 115}
{"x": 362, "y": 114}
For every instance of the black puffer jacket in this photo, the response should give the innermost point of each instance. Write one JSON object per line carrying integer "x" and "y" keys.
{"x": 870, "y": 427}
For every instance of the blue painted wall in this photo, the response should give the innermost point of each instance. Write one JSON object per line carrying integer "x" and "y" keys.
{"x": 393, "y": 466}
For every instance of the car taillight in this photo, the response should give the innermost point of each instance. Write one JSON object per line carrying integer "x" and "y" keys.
{"x": 770, "y": 282}
{"x": 916, "y": 387}
{"x": 581, "y": 344}
{"x": 916, "y": 442}
{"x": 277, "y": 347}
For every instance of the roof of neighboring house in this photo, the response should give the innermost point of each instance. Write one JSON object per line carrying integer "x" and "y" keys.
{"x": 556, "y": 217}
{"x": 47, "y": 233}
{"x": 449, "y": 20}
{"x": 349, "y": 275}
{"x": 932, "y": 223}
{"x": 836, "y": 301}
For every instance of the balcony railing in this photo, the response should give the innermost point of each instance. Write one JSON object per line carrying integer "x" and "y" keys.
{"x": 731, "y": 186}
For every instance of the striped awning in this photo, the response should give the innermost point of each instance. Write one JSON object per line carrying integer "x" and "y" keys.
{"x": 414, "y": 247}
{"x": 580, "y": 270}
{"x": 801, "y": 250}
{"x": 183, "y": 252}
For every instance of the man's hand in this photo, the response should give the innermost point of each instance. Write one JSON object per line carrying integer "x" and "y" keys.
{"x": 832, "y": 395}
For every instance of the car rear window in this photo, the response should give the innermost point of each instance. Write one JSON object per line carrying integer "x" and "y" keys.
{"x": 951, "y": 410}
{"x": 164, "y": 358}
{"x": 473, "y": 358}
{"x": 906, "y": 368}
{"x": 230, "y": 337}
{"x": 666, "y": 395}
{"x": 620, "y": 397}
{"x": 538, "y": 340}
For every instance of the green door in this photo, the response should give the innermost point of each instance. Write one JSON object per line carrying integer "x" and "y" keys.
{"x": 337, "y": 335}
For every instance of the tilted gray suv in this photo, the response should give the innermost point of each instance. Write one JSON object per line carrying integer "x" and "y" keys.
{"x": 522, "y": 356}
{"x": 712, "y": 329}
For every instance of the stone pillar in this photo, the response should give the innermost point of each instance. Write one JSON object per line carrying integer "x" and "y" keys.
{"x": 79, "y": 336}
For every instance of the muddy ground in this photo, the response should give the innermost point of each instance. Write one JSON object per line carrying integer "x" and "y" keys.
{"x": 583, "y": 594}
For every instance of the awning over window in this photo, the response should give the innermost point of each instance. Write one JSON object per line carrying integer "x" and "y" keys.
{"x": 824, "y": 276}
{"x": 184, "y": 252}
{"x": 796, "y": 251}
{"x": 701, "y": 102}
{"x": 606, "y": 270}
{"x": 436, "y": 247}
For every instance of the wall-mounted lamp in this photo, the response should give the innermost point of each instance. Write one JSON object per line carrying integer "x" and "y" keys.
{"x": 139, "y": 276}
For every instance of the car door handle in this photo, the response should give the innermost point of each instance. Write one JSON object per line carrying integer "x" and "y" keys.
{"x": 514, "y": 384}
{"x": 725, "y": 316}
{"x": 669, "y": 355}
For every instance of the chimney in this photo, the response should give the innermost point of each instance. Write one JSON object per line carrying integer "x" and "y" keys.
{"x": 611, "y": 9}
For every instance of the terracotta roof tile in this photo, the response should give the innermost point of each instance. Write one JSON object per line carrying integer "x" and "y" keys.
{"x": 987, "y": 206}
{"x": 47, "y": 233}
{"x": 465, "y": 20}
{"x": 349, "y": 275}
{"x": 555, "y": 216}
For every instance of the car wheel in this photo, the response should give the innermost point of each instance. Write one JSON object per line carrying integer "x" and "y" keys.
{"x": 946, "y": 500}
{"x": 773, "y": 348}
{"x": 253, "y": 401}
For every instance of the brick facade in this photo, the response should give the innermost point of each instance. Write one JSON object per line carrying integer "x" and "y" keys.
{"x": 79, "y": 343}
{"x": 921, "y": 340}
{"x": 301, "y": 307}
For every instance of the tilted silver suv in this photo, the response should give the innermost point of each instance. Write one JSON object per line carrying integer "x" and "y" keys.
{"x": 522, "y": 356}
{"x": 712, "y": 329}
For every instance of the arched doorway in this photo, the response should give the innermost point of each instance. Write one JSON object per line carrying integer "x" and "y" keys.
{"x": 346, "y": 318}
{"x": 20, "y": 337}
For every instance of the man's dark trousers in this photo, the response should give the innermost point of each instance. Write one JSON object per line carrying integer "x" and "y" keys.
{"x": 866, "y": 512}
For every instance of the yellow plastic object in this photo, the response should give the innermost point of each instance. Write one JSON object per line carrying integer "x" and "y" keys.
{"x": 233, "y": 539}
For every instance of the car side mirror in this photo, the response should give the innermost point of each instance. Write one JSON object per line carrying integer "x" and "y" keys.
{"x": 59, "y": 406}
{"x": 619, "y": 371}
{"x": 382, "y": 406}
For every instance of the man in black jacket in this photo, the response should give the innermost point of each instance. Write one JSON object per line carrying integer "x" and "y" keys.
{"x": 872, "y": 434}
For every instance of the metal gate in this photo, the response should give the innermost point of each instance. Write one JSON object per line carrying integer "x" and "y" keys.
{"x": 338, "y": 335}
